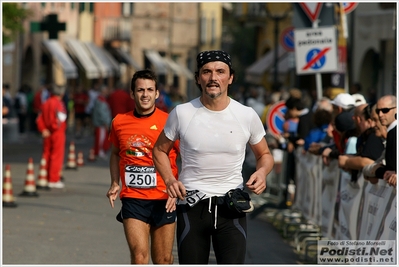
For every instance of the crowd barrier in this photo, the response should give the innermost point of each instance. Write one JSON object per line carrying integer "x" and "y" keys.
{"x": 326, "y": 197}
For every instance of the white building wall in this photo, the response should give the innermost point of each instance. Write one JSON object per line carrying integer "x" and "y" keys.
{"x": 372, "y": 26}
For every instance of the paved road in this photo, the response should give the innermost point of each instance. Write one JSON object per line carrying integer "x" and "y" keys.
{"x": 76, "y": 225}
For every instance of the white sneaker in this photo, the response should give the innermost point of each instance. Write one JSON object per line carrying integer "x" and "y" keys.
{"x": 58, "y": 184}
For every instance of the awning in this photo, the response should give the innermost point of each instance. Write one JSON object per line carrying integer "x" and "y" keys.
{"x": 178, "y": 69}
{"x": 79, "y": 51}
{"x": 125, "y": 57}
{"x": 59, "y": 54}
{"x": 157, "y": 61}
{"x": 112, "y": 61}
{"x": 285, "y": 63}
{"x": 101, "y": 60}
{"x": 255, "y": 72}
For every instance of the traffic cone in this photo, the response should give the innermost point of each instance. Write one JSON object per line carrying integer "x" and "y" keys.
{"x": 42, "y": 179}
{"x": 80, "y": 160}
{"x": 8, "y": 195}
{"x": 30, "y": 183}
{"x": 92, "y": 157}
{"x": 71, "y": 164}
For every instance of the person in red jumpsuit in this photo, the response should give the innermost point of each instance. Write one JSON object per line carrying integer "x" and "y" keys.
{"x": 119, "y": 101}
{"x": 51, "y": 123}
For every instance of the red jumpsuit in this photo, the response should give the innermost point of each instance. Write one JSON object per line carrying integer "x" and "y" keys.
{"x": 120, "y": 102}
{"x": 53, "y": 118}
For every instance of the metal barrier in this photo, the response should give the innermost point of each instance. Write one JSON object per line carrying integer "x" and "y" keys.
{"x": 327, "y": 205}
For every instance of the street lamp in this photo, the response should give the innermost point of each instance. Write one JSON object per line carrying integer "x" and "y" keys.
{"x": 276, "y": 16}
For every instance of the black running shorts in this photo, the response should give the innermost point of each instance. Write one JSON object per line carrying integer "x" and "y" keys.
{"x": 152, "y": 212}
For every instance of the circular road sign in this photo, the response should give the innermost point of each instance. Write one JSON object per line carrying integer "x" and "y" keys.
{"x": 349, "y": 6}
{"x": 275, "y": 118}
{"x": 287, "y": 39}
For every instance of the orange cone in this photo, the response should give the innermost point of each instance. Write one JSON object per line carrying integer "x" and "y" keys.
{"x": 30, "y": 183}
{"x": 71, "y": 164}
{"x": 80, "y": 160}
{"x": 8, "y": 195}
{"x": 92, "y": 157}
{"x": 42, "y": 179}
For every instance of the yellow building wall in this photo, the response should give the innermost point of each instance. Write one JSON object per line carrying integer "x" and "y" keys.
{"x": 209, "y": 11}
{"x": 86, "y": 27}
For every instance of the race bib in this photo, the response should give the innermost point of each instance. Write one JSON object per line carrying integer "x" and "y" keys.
{"x": 192, "y": 198}
{"x": 140, "y": 176}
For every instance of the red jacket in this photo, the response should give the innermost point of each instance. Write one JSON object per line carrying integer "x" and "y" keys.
{"x": 52, "y": 116}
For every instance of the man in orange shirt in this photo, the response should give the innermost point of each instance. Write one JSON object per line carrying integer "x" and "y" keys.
{"x": 143, "y": 192}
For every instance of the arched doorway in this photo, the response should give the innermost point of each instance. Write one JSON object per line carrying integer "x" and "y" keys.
{"x": 368, "y": 73}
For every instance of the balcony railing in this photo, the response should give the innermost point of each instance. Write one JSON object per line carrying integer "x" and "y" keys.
{"x": 116, "y": 28}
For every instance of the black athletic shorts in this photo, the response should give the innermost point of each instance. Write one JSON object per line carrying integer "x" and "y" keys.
{"x": 152, "y": 212}
{"x": 197, "y": 227}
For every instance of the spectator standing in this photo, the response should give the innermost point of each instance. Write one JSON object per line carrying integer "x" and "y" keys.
{"x": 80, "y": 101}
{"x": 343, "y": 102}
{"x": 368, "y": 146}
{"x": 254, "y": 101}
{"x": 7, "y": 109}
{"x": 380, "y": 131}
{"x": 386, "y": 111}
{"x": 163, "y": 102}
{"x": 93, "y": 94}
{"x": 101, "y": 121}
{"x": 51, "y": 123}
{"x": 321, "y": 119}
{"x": 175, "y": 96}
{"x": 297, "y": 109}
{"x": 119, "y": 101}
{"x": 39, "y": 98}
{"x": 31, "y": 120}
{"x": 21, "y": 108}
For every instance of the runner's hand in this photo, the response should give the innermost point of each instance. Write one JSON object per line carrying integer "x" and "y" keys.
{"x": 170, "y": 204}
{"x": 176, "y": 189}
{"x": 256, "y": 183}
{"x": 112, "y": 193}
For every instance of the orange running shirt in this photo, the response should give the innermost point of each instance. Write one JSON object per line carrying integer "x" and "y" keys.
{"x": 135, "y": 137}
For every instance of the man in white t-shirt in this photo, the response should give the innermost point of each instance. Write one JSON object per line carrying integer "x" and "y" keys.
{"x": 213, "y": 130}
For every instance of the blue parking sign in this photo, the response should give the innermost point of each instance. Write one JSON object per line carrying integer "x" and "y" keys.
{"x": 287, "y": 39}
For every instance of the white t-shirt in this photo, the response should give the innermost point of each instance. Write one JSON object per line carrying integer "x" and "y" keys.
{"x": 212, "y": 144}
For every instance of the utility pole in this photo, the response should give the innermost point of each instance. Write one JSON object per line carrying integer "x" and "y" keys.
{"x": 276, "y": 18}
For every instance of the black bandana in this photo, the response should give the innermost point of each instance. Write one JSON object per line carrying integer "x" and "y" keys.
{"x": 214, "y": 55}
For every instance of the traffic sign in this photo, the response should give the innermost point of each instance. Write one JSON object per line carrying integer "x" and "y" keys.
{"x": 275, "y": 118}
{"x": 312, "y": 9}
{"x": 316, "y": 58}
{"x": 316, "y": 50}
{"x": 287, "y": 39}
{"x": 349, "y": 6}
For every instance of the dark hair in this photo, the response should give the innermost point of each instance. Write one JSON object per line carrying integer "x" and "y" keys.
{"x": 294, "y": 102}
{"x": 322, "y": 117}
{"x": 232, "y": 72}
{"x": 144, "y": 74}
{"x": 367, "y": 112}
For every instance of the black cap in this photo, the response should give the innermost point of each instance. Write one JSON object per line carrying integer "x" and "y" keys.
{"x": 344, "y": 121}
{"x": 213, "y": 55}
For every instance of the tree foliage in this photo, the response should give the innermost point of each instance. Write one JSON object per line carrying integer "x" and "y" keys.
{"x": 13, "y": 17}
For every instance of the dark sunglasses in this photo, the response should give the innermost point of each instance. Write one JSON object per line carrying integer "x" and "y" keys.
{"x": 384, "y": 110}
